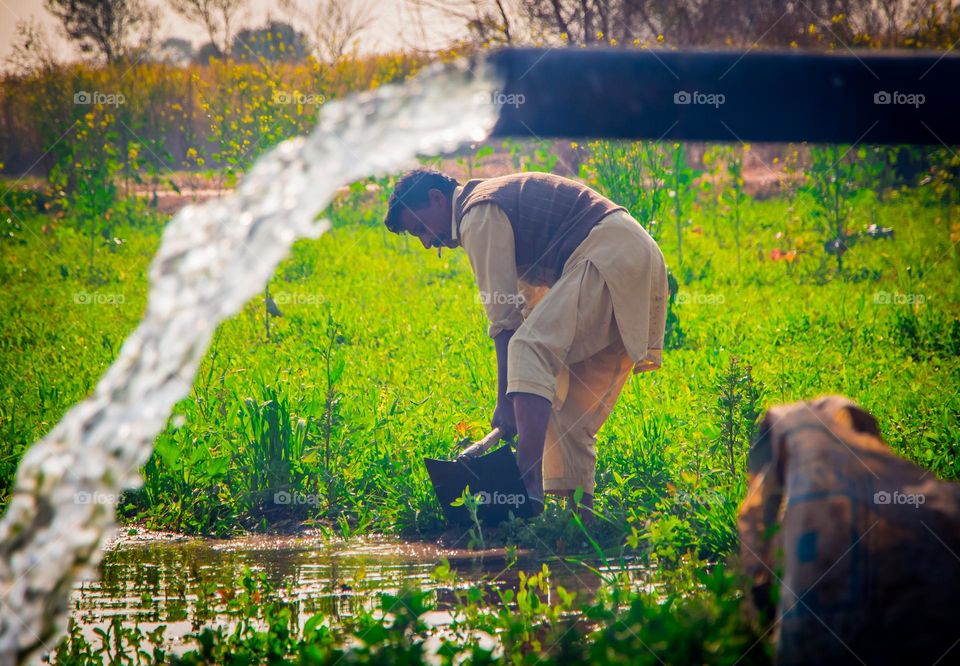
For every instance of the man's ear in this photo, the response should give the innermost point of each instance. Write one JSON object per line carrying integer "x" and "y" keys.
{"x": 437, "y": 198}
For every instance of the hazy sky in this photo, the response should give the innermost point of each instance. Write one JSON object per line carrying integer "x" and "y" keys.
{"x": 393, "y": 26}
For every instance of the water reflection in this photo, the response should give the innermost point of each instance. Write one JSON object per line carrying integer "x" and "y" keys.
{"x": 181, "y": 582}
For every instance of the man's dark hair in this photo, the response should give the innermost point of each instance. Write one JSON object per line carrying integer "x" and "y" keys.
{"x": 412, "y": 191}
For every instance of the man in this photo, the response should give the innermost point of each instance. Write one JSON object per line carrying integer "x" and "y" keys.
{"x": 575, "y": 291}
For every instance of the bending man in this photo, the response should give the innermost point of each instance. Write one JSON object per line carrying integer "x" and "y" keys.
{"x": 575, "y": 291}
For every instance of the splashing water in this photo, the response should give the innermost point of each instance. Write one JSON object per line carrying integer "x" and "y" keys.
{"x": 212, "y": 260}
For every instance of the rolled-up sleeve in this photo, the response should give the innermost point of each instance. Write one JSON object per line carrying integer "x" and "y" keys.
{"x": 487, "y": 238}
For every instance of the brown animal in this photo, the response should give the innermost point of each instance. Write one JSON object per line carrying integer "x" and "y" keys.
{"x": 862, "y": 546}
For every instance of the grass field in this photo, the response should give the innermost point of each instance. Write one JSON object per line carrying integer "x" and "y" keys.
{"x": 375, "y": 355}
{"x": 380, "y": 358}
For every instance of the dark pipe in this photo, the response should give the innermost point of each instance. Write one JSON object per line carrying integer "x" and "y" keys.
{"x": 766, "y": 96}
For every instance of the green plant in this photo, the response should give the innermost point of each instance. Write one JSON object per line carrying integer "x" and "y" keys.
{"x": 681, "y": 177}
{"x": 333, "y": 368}
{"x": 635, "y": 175}
{"x": 534, "y": 155}
{"x": 734, "y": 195}
{"x": 272, "y": 453}
{"x": 470, "y": 161}
{"x": 738, "y": 406}
{"x": 471, "y": 502}
{"x": 674, "y": 337}
{"x": 833, "y": 181}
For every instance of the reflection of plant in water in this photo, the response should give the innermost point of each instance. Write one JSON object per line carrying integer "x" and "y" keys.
{"x": 694, "y": 615}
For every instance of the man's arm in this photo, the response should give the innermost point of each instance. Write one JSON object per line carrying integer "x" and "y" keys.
{"x": 503, "y": 416}
{"x": 487, "y": 238}
{"x": 532, "y": 417}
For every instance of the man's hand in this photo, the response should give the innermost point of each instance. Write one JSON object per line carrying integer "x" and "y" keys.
{"x": 503, "y": 416}
{"x": 505, "y": 419}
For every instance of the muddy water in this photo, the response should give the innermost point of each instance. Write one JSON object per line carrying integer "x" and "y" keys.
{"x": 157, "y": 580}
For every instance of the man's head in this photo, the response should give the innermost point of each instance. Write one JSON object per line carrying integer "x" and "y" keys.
{"x": 422, "y": 205}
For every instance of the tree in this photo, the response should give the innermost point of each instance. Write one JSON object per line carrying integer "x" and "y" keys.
{"x": 487, "y": 21}
{"x": 31, "y": 49}
{"x": 276, "y": 41}
{"x": 706, "y": 23}
{"x": 175, "y": 51}
{"x": 333, "y": 26}
{"x": 102, "y": 26}
{"x": 218, "y": 18}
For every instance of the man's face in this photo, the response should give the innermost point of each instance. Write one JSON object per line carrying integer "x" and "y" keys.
{"x": 431, "y": 224}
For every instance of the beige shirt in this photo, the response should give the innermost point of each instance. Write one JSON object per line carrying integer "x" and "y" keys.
{"x": 626, "y": 256}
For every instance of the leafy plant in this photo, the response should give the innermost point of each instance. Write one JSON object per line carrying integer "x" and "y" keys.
{"x": 680, "y": 192}
{"x": 636, "y": 175}
{"x": 738, "y": 407}
{"x": 833, "y": 181}
{"x": 471, "y": 502}
{"x": 272, "y": 452}
{"x": 734, "y": 195}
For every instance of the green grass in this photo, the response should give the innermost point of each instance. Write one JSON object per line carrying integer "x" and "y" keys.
{"x": 381, "y": 352}
{"x": 380, "y": 358}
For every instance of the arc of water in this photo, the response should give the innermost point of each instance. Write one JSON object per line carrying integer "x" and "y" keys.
{"x": 213, "y": 258}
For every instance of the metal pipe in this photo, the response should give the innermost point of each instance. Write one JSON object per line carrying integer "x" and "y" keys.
{"x": 853, "y": 97}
